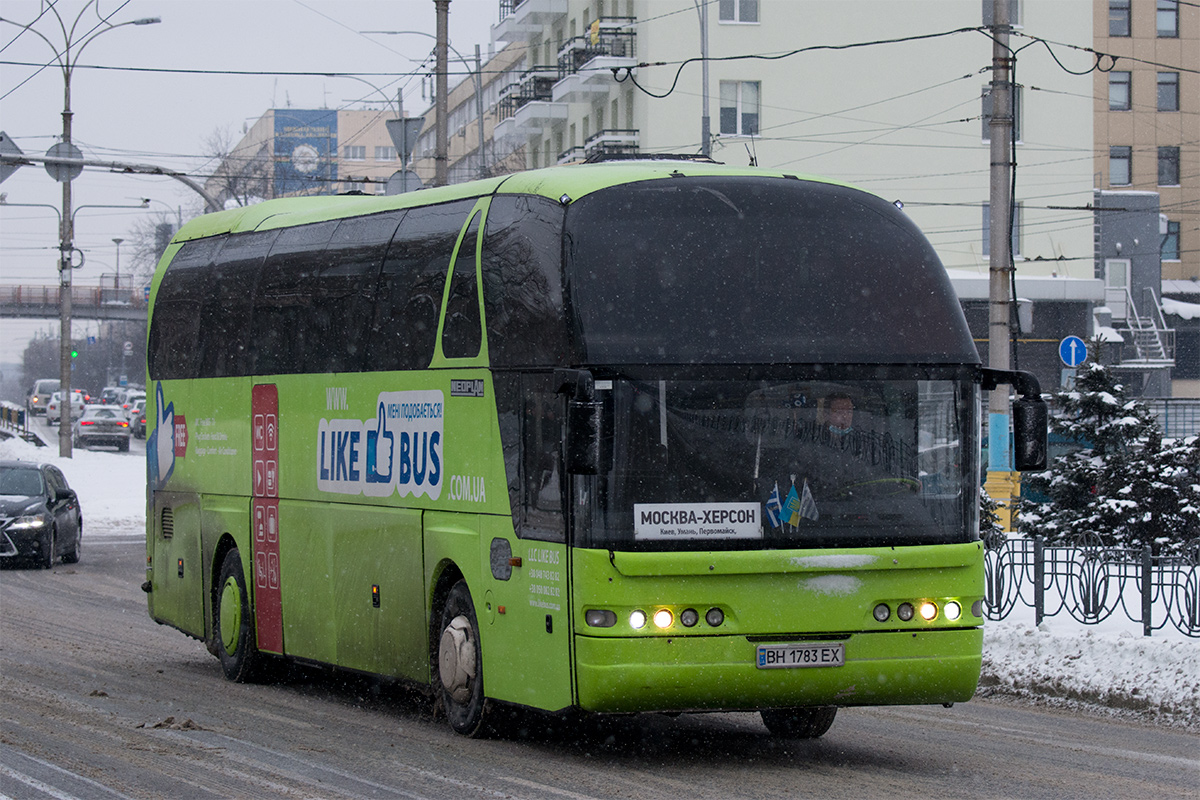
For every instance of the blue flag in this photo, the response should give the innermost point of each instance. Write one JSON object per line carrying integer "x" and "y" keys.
{"x": 791, "y": 507}
{"x": 774, "y": 507}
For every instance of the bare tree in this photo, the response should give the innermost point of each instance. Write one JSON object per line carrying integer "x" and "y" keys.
{"x": 243, "y": 172}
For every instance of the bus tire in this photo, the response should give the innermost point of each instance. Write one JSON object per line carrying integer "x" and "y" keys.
{"x": 459, "y": 674}
{"x": 233, "y": 625}
{"x": 798, "y": 723}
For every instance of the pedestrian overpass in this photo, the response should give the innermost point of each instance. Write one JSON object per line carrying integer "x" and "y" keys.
{"x": 87, "y": 302}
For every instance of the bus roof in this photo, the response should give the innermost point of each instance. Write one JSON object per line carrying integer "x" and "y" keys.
{"x": 571, "y": 182}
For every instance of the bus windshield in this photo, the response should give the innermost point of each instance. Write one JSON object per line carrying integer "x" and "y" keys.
{"x": 741, "y": 464}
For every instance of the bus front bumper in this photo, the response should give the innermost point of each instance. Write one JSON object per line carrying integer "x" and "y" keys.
{"x": 719, "y": 672}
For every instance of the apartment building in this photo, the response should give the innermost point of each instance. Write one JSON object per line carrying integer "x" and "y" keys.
{"x": 290, "y": 151}
{"x": 1147, "y": 124}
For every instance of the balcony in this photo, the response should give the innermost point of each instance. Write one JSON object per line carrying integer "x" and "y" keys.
{"x": 612, "y": 142}
{"x": 585, "y": 63}
{"x": 527, "y": 106}
{"x": 520, "y": 18}
{"x": 575, "y": 154}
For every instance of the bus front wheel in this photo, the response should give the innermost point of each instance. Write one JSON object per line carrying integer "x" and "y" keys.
{"x": 798, "y": 723}
{"x": 460, "y": 665}
{"x": 233, "y": 624}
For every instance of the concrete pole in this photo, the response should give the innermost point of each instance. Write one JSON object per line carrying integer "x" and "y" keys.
{"x": 705, "y": 122}
{"x": 1001, "y": 479}
{"x": 441, "y": 163}
{"x": 483, "y": 170}
{"x": 66, "y": 246}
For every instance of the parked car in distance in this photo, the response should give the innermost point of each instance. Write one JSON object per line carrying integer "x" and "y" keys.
{"x": 40, "y": 517}
{"x": 40, "y": 394}
{"x": 54, "y": 408}
{"x": 137, "y": 418}
{"x": 102, "y": 425}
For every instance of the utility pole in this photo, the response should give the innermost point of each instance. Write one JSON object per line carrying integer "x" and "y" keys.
{"x": 441, "y": 163}
{"x": 483, "y": 170}
{"x": 1001, "y": 481}
{"x": 705, "y": 124}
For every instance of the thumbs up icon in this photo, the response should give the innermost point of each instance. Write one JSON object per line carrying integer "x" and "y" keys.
{"x": 380, "y": 444}
{"x": 160, "y": 448}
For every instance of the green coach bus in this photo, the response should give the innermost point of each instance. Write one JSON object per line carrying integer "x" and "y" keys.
{"x": 638, "y": 436}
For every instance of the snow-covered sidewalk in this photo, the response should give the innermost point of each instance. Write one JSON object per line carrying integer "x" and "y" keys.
{"x": 1109, "y": 667}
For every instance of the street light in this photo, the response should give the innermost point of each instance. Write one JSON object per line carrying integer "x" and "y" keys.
{"x": 476, "y": 75}
{"x": 67, "y": 58}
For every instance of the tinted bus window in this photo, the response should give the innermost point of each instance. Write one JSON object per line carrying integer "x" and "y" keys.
{"x": 344, "y": 296}
{"x": 522, "y": 283}
{"x": 750, "y": 270}
{"x": 462, "y": 336}
{"x": 226, "y": 313}
{"x": 409, "y": 297}
{"x": 175, "y": 326}
{"x": 284, "y": 302}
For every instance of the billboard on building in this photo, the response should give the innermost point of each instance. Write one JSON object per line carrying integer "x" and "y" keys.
{"x": 305, "y": 151}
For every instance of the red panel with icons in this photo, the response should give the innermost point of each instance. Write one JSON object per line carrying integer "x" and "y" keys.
{"x": 264, "y": 447}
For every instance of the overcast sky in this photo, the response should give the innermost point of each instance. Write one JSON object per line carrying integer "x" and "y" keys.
{"x": 130, "y": 112}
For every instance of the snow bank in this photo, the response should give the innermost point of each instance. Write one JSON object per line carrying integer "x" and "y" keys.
{"x": 1065, "y": 663}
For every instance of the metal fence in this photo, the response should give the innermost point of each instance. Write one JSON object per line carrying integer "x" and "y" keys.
{"x": 1090, "y": 583}
{"x": 1177, "y": 416}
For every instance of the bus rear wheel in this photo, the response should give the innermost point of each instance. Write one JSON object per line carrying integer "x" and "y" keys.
{"x": 233, "y": 623}
{"x": 459, "y": 673}
{"x": 798, "y": 723}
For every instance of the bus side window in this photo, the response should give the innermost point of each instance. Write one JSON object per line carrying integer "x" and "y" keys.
{"x": 543, "y": 482}
{"x": 461, "y": 336}
{"x": 509, "y": 412}
{"x": 175, "y": 326}
{"x": 521, "y": 261}
{"x": 345, "y": 292}
{"x": 280, "y": 334}
{"x": 227, "y": 311}
{"x": 409, "y": 296}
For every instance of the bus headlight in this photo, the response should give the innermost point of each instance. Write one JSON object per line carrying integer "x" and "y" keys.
{"x": 714, "y": 617}
{"x": 905, "y": 611}
{"x": 689, "y": 617}
{"x": 637, "y": 620}
{"x": 882, "y": 612}
{"x": 663, "y": 618}
{"x": 928, "y": 611}
{"x": 952, "y": 610}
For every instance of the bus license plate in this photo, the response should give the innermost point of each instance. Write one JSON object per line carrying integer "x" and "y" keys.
{"x": 788, "y": 656}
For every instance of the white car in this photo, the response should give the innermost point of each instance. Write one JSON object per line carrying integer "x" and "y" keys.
{"x": 54, "y": 410}
{"x": 102, "y": 425}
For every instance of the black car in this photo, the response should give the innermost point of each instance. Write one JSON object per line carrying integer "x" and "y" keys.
{"x": 40, "y": 518}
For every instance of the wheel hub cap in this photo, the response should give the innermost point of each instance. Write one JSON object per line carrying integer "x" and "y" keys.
{"x": 456, "y": 659}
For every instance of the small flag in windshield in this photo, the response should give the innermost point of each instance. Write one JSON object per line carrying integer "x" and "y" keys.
{"x": 774, "y": 507}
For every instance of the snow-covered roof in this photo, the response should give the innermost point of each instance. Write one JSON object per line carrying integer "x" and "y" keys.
{"x": 1181, "y": 309}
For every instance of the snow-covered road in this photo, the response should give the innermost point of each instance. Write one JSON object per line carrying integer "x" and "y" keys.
{"x": 1110, "y": 668}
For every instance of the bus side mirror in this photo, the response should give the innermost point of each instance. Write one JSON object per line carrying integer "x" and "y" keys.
{"x": 588, "y": 439}
{"x": 1030, "y": 425}
{"x": 1030, "y": 416}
